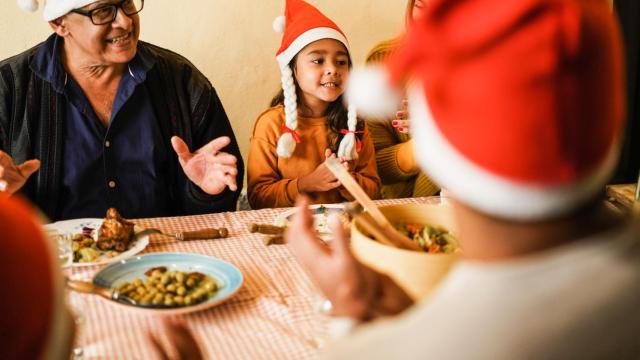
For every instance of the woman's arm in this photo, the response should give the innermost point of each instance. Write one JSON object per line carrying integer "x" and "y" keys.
{"x": 394, "y": 158}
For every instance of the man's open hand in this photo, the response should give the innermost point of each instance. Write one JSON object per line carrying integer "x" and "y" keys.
{"x": 208, "y": 167}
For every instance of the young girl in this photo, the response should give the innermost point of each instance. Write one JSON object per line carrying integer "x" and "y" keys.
{"x": 308, "y": 122}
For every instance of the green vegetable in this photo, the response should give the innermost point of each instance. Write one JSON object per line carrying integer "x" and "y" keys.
{"x": 87, "y": 255}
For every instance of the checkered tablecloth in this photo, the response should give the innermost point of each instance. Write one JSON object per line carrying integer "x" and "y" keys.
{"x": 272, "y": 317}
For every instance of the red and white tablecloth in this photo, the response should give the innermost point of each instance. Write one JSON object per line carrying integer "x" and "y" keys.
{"x": 273, "y": 316}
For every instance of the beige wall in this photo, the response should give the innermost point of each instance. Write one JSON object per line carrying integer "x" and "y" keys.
{"x": 230, "y": 41}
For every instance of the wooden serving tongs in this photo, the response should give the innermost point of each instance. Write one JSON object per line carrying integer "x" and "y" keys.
{"x": 373, "y": 221}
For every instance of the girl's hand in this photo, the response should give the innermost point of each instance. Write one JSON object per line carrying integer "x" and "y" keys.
{"x": 343, "y": 161}
{"x": 401, "y": 122}
{"x": 321, "y": 179}
{"x": 346, "y": 163}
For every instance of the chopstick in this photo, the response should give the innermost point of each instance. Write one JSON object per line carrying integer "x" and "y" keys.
{"x": 387, "y": 231}
{"x": 266, "y": 229}
{"x": 274, "y": 240}
{"x": 275, "y": 234}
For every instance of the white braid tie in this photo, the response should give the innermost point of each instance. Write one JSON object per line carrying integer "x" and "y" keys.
{"x": 287, "y": 143}
{"x": 347, "y": 148}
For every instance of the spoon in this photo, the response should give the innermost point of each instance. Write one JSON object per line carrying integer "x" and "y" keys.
{"x": 107, "y": 293}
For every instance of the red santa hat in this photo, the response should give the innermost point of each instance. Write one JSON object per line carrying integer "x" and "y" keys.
{"x": 34, "y": 322}
{"x": 516, "y": 111}
{"x": 53, "y": 9}
{"x": 302, "y": 25}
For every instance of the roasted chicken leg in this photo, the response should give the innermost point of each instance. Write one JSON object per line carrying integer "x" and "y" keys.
{"x": 115, "y": 233}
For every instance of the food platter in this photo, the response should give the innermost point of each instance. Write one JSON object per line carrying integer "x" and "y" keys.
{"x": 227, "y": 276}
{"x": 76, "y": 226}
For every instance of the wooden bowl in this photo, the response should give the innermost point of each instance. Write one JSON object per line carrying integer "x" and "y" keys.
{"x": 416, "y": 272}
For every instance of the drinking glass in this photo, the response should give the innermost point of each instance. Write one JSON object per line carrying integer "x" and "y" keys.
{"x": 64, "y": 247}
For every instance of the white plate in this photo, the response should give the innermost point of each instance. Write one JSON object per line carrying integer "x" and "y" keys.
{"x": 320, "y": 214}
{"x": 75, "y": 227}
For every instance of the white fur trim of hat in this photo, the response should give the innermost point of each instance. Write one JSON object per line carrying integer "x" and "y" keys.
{"x": 53, "y": 9}
{"x": 491, "y": 193}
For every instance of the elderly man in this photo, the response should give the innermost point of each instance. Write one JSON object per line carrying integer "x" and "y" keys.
{"x": 92, "y": 118}
{"x": 517, "y": 109}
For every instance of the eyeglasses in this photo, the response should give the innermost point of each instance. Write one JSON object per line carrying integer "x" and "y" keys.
{"x": 106, "y": 14}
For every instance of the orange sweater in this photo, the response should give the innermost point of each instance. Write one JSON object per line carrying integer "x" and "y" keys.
{"x": 273, "y": 181}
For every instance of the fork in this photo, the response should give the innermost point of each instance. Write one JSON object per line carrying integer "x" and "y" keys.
{"x": 202, "y": 234}
{"x": 107, "y": 293}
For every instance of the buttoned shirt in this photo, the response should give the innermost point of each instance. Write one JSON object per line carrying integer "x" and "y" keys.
{"x": 119, "y": 165}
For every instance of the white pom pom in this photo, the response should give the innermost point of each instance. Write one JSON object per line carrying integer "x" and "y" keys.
{"x": 286, "y": 146}
{"x": 278, "y": 24}
{"x": 370, "y": 92}
{"x": 28, "y": 5}
{"x": 347, "y": 147}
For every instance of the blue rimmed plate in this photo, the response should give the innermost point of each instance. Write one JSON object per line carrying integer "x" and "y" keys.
{"x": 226, "y": 275}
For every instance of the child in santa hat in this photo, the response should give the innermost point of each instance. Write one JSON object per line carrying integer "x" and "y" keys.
{"x": 308, "y": 121}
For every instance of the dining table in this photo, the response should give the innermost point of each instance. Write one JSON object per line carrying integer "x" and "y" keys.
{"x": 274, "y": 315}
